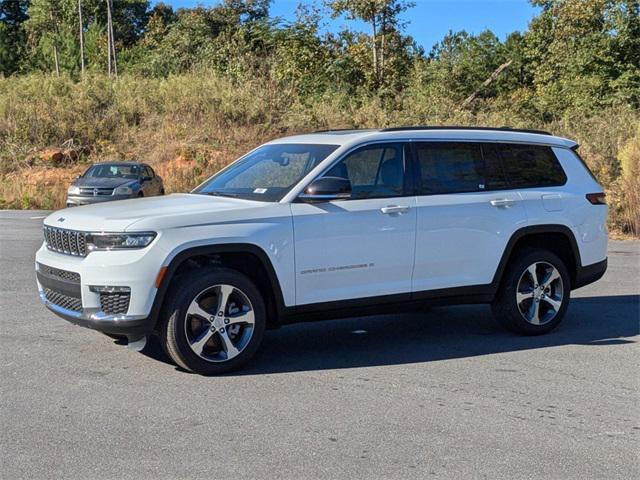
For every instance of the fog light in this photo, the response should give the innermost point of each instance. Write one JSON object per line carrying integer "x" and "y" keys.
{"x": 107, "y": 289}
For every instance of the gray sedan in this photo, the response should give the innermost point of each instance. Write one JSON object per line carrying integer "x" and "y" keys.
{"x": 103, "y": 182}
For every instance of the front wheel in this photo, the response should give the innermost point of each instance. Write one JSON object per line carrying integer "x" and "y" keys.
{"x": 213, "y": 321}
{"x": 534, "y": 294}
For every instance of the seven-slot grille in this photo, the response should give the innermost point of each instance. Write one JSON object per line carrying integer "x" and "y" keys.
{"x": 114, "y": 303}
{"x": 95, "y": 191}
{"x": 68, "y": 242}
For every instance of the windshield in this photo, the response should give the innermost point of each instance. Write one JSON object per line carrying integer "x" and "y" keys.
{"x": 113, "y": 171}
{"x": 267, "y": 173}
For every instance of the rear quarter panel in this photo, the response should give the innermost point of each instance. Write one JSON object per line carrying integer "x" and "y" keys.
{"x": 567, "y": 205}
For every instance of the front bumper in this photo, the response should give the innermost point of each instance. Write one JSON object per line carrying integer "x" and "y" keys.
{"x": 82, "y": 305}
{"x": 132, "y": 326}
{"x": 77, "y": 200}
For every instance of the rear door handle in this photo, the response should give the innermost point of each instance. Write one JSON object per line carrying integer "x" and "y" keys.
{"x": 502, "y": 202}
{"x": 400, "y": 209}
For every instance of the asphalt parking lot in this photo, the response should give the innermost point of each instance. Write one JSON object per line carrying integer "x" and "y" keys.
{"x": 443, "y": 394}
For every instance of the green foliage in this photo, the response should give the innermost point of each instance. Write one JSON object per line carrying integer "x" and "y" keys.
{"x": 194, "y": 79}
{"x": 13, "y": 14}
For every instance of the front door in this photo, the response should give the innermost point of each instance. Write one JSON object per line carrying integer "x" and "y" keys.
{"x": 363, "y": 246}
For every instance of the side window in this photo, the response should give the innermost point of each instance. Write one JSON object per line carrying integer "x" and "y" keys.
{"x": 375, "y": 171}
{"x": 150, "y": 172}
{"x": 456, "y": 167}
{"x": 531, "y": 166}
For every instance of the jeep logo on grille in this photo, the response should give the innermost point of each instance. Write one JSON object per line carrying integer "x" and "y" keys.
{"x": 95, "y": 192}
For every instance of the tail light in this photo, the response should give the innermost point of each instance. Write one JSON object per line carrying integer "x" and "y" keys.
{"x": 597, "y": 198}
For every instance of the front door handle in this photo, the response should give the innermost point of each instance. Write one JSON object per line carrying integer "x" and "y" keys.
{"x": 502, "y": 202}
{"x": 399, "y": 209}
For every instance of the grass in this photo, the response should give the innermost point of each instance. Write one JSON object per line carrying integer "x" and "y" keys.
{"x": 189, "y": 126}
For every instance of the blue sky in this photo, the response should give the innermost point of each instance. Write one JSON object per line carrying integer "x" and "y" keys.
{"x": 429, "y": 20}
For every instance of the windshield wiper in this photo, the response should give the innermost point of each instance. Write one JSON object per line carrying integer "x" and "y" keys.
{"x": 222, "y": 194}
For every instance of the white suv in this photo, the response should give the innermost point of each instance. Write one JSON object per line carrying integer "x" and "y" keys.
{"x": 334, "y": 224}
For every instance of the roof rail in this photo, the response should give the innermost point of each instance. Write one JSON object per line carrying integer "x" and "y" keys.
{"x": 460, "y": 127}
{"x": 339, "y": 130}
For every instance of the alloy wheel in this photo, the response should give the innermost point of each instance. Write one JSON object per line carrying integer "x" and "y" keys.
{"x": 540, "y": 293}
{"x": 219, "y": 323}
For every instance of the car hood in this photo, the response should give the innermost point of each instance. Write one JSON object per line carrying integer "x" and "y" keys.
{"x": 102, "y": 181}
{"x": 154, "y": 213}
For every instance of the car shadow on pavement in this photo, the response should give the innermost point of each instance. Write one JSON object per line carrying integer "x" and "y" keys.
{"x": 437, "y": 334}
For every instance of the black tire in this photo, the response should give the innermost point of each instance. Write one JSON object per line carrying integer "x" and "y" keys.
{"x": 140, "y": 194}
{"x": 505, "y": 306}
{"x": 172, "y": 327}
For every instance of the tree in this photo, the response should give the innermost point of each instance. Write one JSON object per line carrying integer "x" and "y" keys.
{"x": 13, "y": 14}
{"x": 584, "y": 53}
{"x": 383, "y": 17}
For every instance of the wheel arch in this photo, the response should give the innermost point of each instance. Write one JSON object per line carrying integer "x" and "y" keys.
{"x": 558, "y": 239}
{"x": 247, "y": 258}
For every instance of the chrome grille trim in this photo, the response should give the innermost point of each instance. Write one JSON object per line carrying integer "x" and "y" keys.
{"x": 69, "y": 242}
{"x": 95, "y": 191}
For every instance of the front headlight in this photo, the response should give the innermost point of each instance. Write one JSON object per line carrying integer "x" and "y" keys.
{"x": 123, "y": 190}
{"x": 117, "y": 241}
{"x": 73, "y": 190}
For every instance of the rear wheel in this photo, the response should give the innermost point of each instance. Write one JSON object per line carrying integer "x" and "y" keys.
{"x": 534, "y": 294}
{"x": 213, "y": 321}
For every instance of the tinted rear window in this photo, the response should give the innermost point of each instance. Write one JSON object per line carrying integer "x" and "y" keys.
{"x": 456, "y": 167}
{"x": 531, "y": 166}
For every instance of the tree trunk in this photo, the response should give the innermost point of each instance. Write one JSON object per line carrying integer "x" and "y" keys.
{"x": 81, "y": 36}
{"x": 374, "y": 50}
{"x": 55, "y": 43}
{"x": 109, "y": 37}
{"x": 55, "y": 58}
{"x": 383, "y": 30}
{"x": 113, "y": 42}
{"x": 491, "y": 78}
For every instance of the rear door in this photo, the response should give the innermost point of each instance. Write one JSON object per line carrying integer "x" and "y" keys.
{"x": 466, "y": 214}
{"x": 363, "y": 246}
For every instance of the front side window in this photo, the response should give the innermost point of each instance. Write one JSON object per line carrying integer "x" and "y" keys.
{"x": 267, "y": 173}
{"x": 456, "y": 167}
{"x": 531, "y": 166}
{"x": 375, "y": 171}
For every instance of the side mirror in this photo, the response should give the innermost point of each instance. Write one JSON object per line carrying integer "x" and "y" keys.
{"x": 327, "y": 188}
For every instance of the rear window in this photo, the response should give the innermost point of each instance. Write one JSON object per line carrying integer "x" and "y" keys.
{"x": 530, "y": 166}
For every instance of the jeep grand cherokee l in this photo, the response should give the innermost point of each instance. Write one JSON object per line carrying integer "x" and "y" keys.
{"x": 334, "y": 224}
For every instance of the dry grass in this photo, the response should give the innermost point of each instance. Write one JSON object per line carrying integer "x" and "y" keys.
{"x": 191, "y": 125}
